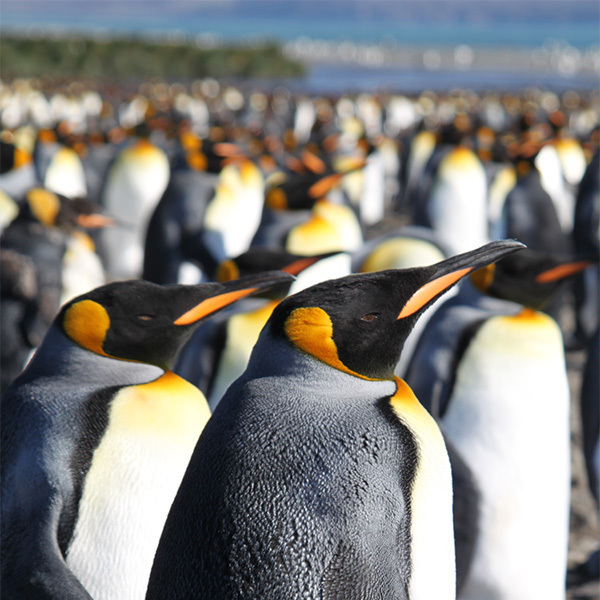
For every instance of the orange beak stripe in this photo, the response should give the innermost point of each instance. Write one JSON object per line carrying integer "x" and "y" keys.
{"x": 94, "y": 221}
{"x": 226, "y": 149}
{"x": 562, "y": 271}
{"x": 295, "y": 165}
{"x": 211, "y": 305}
{"x": 430, "y": 290}
{"x": 324, "y": 185}
{"x": 299, "y": 265}
{"x": 313, "y": 162}
{"x": 233, "y": 160}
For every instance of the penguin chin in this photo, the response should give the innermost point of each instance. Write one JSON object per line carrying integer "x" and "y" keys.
{"x": 381, "y": 360}
{"x": 379, "y": 371}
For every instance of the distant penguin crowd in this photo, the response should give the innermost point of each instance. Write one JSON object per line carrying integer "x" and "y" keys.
{"x": 259, "y": 344}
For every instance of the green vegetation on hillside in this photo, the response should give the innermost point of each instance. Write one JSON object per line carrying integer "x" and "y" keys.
{"x": 135, "y": 58}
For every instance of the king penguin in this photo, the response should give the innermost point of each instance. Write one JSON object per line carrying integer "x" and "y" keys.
{"x": 456, "y": 206}
{"x": 44, "y": 242}
{"x": 96, "y": 435}
{"x": 17, "y": 171}
{"x": 174, "y": 251}
{"x": 65, "y": 174}
{"x": 494, "y": 371}
{"x": 133, "y": 186}
{"x": 320, "y": 474}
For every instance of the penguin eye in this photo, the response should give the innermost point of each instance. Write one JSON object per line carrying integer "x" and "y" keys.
{"x": 145, "y": 317}
{"x": 369, "y": 317}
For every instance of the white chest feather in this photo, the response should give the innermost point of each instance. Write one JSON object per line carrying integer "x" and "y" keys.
{"x": 134, "y": 476}
{"x": 242, "y": 332}
{"x": 82, "y": 269}
{"x": 372, "y": 202}
{"x": 432, "y": 533}
{"x": 509, "y": 418}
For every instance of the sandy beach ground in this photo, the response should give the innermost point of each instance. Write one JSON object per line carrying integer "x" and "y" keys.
{"x": 584, "y": 527}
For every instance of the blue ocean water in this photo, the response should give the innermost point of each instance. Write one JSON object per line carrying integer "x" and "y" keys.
{"x": 523, "y": 23}
{"x": 324, "y": 19}
{"x": 337, "y": 79}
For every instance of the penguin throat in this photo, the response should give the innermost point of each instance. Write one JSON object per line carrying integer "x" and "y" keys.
{"x": 310, "y": 329}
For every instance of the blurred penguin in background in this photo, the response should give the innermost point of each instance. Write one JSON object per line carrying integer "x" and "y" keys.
{"x": 47, "y": 258}
{"x": 133, "y": 187}
{"x": 492, "y": 369}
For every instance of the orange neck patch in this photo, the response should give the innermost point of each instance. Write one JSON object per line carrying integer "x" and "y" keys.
{"x": 86, "y": 323}
{"x": 404, "y": 402}
{"x": 310, "y": 329}
{"x": 531, "y": 316}
{"x": 167, "y": 406}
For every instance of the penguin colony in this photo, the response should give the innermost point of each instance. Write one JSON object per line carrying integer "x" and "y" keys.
{"x": 258, "y": 345}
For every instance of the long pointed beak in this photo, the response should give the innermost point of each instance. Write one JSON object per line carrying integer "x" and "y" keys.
{"x": 230, "y": 291}
{"x": 450, "y": 271}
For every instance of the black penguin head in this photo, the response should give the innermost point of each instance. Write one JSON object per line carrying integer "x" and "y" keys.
{"x": 530, "y": 277}
{"x": 145, "y": 322}
{"x": 12, "y": 156}
{"x": 55, "y": 210}
{"x": 359, "y": 323}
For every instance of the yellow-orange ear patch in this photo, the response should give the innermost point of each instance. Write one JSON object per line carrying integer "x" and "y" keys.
{"x": 430, "y": 290}
{"x": 197, "y": 160}
{"x": 310, "y": 329}
{"x": 483, "y": 278}
{"x": 86, "y": 323}
{"x": 276, "y": 199}
{"x": 227, "y": 271}
{"x": 189, "y": 141}
{"x": 21, "y": 158}
{"x": 44, "y": 204}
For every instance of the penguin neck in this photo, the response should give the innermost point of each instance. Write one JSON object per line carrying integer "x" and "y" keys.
{"x": 59, "y": 356}
{"x": 273, "y": 357}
